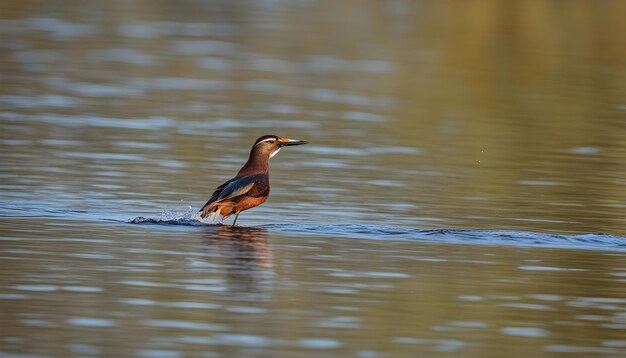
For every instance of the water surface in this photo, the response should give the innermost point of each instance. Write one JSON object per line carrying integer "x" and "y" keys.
{"x": 463, "y": 191}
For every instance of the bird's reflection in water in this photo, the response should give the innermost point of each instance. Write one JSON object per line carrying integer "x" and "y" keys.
{"x": 247, "y": 254}
{"x": 245, "y": 247}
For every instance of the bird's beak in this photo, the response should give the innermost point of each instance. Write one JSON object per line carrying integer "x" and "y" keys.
{"x": 286, "y": 141}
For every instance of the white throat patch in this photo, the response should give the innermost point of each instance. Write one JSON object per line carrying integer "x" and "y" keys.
{"x": 275, "y": 152}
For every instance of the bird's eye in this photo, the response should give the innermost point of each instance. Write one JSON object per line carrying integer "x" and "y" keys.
{"x": 270, "y": 141}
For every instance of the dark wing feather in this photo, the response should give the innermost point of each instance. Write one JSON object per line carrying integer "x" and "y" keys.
{"x": 217, "y": 192}
{"x": 231, "y": 189}
{"x": 237, "y": 187}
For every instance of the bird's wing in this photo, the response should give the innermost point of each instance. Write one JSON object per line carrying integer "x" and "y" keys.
{"x": 231, "y": 189}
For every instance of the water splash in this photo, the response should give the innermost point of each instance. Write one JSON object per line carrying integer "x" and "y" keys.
{"x": 184, "y": 213}
{"x": 180, "y": 216}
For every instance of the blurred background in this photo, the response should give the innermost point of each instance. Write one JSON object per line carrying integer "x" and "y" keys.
{"x": 478, "y": 114}
{"x": 473, "y": 114}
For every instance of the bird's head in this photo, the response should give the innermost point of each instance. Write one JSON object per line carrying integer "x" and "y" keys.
{"x": 269, "y": 145}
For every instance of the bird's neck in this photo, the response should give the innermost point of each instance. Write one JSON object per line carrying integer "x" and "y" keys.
{"x": 257, "y": 163}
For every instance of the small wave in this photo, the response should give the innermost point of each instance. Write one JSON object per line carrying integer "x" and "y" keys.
{"x": 595, "y": 241}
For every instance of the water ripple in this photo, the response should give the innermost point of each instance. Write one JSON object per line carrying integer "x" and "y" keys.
{"x": 177, "y": 324}
{"x": 524, "y": 331}
{"x": 596, "y": 241}
{"x": 91, "y": 322}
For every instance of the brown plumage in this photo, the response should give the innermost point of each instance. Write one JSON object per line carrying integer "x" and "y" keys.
{"x": 251, "y": 186}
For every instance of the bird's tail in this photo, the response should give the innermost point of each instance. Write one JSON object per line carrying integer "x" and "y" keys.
{"x": 207, "y": 216}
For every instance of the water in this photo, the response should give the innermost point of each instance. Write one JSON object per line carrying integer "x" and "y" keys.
{"x": 462, "y": 193}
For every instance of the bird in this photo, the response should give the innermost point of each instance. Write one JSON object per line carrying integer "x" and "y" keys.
{"x": 251, "y": 186}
